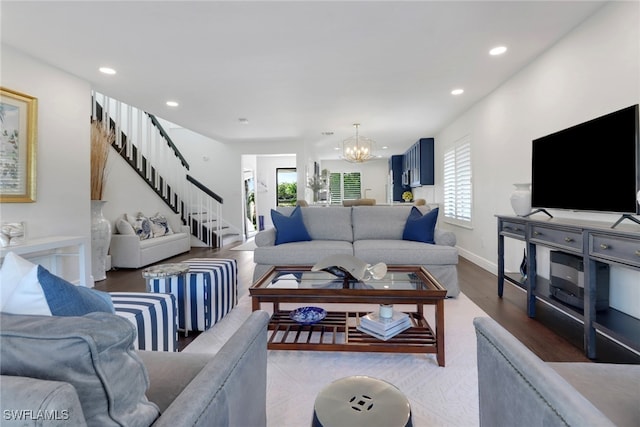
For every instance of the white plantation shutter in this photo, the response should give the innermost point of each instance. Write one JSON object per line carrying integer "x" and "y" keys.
{"x": 344, "y": 186}
{"x": 335, "y": 188}
{"x": 457, "y": 183}
{"x": 351, "y": 185}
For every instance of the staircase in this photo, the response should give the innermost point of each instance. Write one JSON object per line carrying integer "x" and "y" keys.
{"x": 145, "y": 146}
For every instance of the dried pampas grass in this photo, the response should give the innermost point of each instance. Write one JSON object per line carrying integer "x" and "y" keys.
{"x": 101, "y": 140}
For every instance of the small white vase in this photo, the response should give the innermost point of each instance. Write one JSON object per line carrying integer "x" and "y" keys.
{"x": 100, "y": 240}
{"x": 386, "y": 311}
{"x": 521, "y": 199}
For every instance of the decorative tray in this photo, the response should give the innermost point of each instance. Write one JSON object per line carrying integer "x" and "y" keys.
{"x": 308, "y": 315}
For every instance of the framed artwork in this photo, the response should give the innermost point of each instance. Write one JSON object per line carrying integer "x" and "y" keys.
{"x": 18, "y": 127}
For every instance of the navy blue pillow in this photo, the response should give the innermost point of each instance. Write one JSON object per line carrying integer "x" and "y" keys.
{"x": 66, "y": 299}
{"x": 421, "y": 228}
{"x": 289, "y": 228}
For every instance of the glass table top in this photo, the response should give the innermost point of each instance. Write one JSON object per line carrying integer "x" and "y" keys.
{"x": 322, "y": 280}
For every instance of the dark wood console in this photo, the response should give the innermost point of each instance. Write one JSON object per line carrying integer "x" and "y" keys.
{"x": 594, "y": 242}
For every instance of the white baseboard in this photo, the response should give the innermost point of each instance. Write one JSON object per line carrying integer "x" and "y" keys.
{"x": 196, "y": 243}
{"x": 490, "y": 266}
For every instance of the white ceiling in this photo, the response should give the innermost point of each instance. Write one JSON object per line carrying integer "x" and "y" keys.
{"x": 294, "y": 69}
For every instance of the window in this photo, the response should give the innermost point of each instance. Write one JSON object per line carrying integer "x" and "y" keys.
{"x": 457, "y": 183}
{"x": 344, "y": 186}
{"x": 287, "y": 185}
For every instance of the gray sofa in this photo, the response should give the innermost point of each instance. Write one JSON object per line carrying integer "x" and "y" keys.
{"x": 227, "y": 389}
{"x": 517, "y": 388}
{"x": 370, "y": 233}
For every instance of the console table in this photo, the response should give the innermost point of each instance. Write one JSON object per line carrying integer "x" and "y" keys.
{"x": 51, "y": 247}
{"x": 594, "y": 242}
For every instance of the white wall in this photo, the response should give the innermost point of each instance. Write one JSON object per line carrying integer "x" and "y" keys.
{"x": 127, "y": 192}
{"x": 62, "y": 205}
{"x": 266, "y": 191}
{"x": 594, "y": 70}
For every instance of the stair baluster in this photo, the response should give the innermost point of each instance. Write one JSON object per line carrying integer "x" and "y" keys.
{"x": 148, "y": 149}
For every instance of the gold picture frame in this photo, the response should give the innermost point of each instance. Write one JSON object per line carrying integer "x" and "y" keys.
{"x": 18, "y": 127}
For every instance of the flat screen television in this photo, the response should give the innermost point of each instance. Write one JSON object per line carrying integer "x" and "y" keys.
{"x": 593, "y": 166}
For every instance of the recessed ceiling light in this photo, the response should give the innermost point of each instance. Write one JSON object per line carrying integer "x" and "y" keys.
{"x": 336, "y": 148}
{"x": 243, "y": 121}
{"x": 172, "y": 103}
{"x": 457, "y": 92}
{"x": 384, "y": 147}
{"x": 499, "y": 50}
{"x": 107, "y": 70}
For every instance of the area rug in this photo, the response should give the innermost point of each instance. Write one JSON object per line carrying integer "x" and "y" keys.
{"x": 439, "y": 396}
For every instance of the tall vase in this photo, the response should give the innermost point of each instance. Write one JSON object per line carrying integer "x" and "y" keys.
{"x": 100, "y": 240}
{"x": 521, "y": 199}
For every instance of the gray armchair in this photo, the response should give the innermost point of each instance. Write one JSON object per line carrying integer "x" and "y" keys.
{"x": 518, "y": 388}
{"x": 187, "y": 389}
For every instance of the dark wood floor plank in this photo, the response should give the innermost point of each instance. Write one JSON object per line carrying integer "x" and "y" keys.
{"x": 551, "y": 335}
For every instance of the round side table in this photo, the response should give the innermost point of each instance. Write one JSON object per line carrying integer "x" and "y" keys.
{"x": 361, "y": 401}
{"x": 166, "y": 271}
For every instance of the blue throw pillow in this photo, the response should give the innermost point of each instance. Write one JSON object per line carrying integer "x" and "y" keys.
{"x": 66, "y": 299}
{"x": 421, "y": 228}
{"x": 289, "y": 228}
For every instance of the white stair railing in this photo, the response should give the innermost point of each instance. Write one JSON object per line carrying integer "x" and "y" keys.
{"x": 204, "y": 211}
{"x": 149, "y": 150}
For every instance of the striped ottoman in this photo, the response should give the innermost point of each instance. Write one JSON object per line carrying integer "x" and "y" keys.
{"x": 154, "y": 316}
{"x": 211, "y": 292}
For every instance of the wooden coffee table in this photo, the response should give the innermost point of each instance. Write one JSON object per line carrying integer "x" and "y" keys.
{"x": 407, "y": 285}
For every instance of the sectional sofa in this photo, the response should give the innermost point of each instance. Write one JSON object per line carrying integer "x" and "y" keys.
{"x": 372, "y": 233}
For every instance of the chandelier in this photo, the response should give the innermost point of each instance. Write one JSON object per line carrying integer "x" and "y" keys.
{"x": 357, "y": 149}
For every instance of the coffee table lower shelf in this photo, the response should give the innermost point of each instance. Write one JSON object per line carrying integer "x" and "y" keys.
{"x": 338, "y": 332}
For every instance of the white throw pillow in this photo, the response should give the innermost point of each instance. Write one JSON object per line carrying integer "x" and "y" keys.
{"x": 20, "y": 290}
{"x": 124, "y": 227}
{"x": 27, "y": 288}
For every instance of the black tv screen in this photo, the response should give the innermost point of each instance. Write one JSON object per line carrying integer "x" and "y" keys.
{"x": 593, "y": 166}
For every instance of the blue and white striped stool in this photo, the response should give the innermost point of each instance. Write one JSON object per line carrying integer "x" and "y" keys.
{"x": 154, "y": 316}
{"x": 212, "y": 291}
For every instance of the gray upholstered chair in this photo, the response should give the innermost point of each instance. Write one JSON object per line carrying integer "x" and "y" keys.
{"x": 87, "y": 371}
{"x": 518, "y": 388}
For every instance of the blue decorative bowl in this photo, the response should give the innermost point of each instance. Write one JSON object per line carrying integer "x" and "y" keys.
{"x": 308, "y": 315}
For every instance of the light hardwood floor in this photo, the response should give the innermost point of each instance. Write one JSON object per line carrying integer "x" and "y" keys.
{"x": 551, "y": 335}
